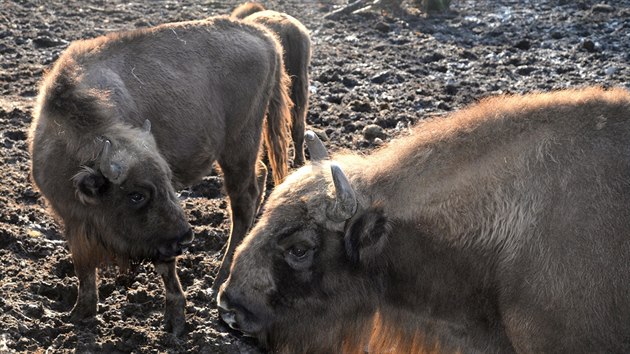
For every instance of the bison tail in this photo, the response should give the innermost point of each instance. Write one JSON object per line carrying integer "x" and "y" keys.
{"x": 278, "y": 125}
{"x": 246, "y": 9}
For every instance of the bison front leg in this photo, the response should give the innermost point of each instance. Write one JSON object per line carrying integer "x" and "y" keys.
{"x": 87, "y": 298}
{"x": 174, "y": 319}
{"x": 85, "y": 258}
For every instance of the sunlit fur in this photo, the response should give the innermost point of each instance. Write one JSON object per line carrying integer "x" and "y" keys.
{"x": 505, "y": 229}
{"x": 247, "y": 9}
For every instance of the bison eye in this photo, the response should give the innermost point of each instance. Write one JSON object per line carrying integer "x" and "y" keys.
{"x": 300, "y": 258}
{"x": 298, "y": 252}
{"x": 136, "y": 198}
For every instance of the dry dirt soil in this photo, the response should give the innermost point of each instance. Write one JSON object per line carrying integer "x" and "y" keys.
{"x": 373, "y": 74}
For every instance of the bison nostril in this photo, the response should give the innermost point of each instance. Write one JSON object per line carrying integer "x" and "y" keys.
{"x": 229, "y": 318}
{"x": 225, "y": 311}
{"x": 186, "y": 239}
{"x": 169, "y": 250}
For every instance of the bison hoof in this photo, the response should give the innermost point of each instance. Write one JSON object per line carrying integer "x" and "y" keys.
{"x": 80, "y": 313}
{"x": 174, "y": 319}
{"x": 298, "y": 162}
{"x": 175, "y": 325}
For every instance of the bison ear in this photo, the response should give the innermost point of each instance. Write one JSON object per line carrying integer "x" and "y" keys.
{"x": 89, "y": 185}
{"x": 366, "y": 235}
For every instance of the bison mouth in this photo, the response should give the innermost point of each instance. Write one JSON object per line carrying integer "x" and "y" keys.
{"x": 170, "y": 250}
{"x": 238, "y": 317}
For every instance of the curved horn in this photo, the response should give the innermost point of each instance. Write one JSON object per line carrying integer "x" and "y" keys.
{"x": 111, "y": 170}
{"x": 315, "y": 146}
{"x": 146, "y": 126}
{"x": 345, "y": 199}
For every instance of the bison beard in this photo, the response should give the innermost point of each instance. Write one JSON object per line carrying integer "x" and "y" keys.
{"x": 500, "y": 228}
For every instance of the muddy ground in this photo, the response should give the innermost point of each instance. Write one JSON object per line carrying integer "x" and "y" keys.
{"x": 373, "y": 74}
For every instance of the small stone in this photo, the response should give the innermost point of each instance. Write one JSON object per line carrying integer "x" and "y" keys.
{"x": 444, "y": 106}
{"x": 349, "y": 82}
{"x": 383, "y": 27}
{"x": 361, "y": 106}
{"x": 5, "y": 33}
{"x": 523, "y": 44}
{"x": 525, "y": 70}
{"x": 4, "y": 49}
{"x": 381, "y": 77}
{"x": 378, "y": 142}
{"x": 29, "y": 193}
{"x": 466, "y": 54}
{"x": 380, "y": 47}
{"x": 589, "y": 46}
{"x": 15, "y": 135}
{"x": 373, "y": 131}
{"x": 610, "y": 71}
{"x": 329, "y": 77}
{"x": 602, "y": 8}
{"x": 47, "y": 42}
{"x": 350, "y": 127}
{"x": 335, "y": 98}
{"x": 451, "y": 88}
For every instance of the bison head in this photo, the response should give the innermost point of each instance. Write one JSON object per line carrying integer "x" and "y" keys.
{"x": 128, "y": 198}
{"x": 301, "y": 280}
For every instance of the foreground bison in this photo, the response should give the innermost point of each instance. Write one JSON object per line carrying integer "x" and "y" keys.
{"x": 296, "y": 44}
{"x": 502, "y": 228}
{"x": 125, "y": 119}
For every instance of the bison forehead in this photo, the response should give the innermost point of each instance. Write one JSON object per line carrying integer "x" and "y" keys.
{"x": 137, "y": 148}
{"x": 305, "y": 194}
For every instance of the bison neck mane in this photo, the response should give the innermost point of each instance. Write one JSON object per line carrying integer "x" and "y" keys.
{"x": 464, "y": 172}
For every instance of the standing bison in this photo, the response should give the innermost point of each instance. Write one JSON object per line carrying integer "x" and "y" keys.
{"x": 125, "y": 119}
{"x": 502, "y": 228}
{"x": 296, "y": 44}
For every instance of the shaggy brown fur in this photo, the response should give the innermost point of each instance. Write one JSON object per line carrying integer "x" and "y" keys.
{"x": 296, "y": 44}
{"x": 124, "y": 119}
{"x": 501, "y": 228}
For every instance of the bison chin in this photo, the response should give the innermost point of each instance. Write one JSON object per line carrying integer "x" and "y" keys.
{"x": 160, "y": 250}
